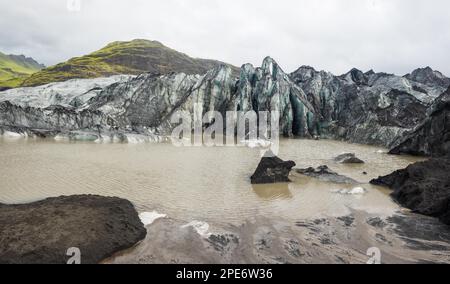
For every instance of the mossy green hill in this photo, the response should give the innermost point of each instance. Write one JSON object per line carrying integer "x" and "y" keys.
{"x": 130, "y": 57}
{"x": 15, "y": 68}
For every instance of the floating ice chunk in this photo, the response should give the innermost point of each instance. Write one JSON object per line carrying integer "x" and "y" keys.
{"x": 60, "y": 137}
{"x": 354, "y": 191}
{"x": 141, "y": 139}
{"x": 147, "y": 218}
{"x": 357, "y": 191}
{"x": 201, "y": 228}
{"x": 259, "y": 143}
{"x": 81, "y": 136}
{"x": 14, "y": 135}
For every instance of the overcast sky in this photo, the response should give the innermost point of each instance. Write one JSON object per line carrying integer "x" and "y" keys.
{"x": 394, "y": 36}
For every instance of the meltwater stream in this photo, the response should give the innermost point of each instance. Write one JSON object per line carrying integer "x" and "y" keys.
{"x": 189, "y": 183}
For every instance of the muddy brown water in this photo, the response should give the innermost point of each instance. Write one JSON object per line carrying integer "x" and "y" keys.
{"x": 190, "y": 183}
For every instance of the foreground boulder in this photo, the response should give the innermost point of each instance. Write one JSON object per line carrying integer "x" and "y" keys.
{"x": 324, "y": 173}
{"x": 432, "y": 137}
{"x": 422, "y": 187}
{"x": 272, "y": 169}
{"x": 348, "y": 158}
{"x": 42, "y": 232}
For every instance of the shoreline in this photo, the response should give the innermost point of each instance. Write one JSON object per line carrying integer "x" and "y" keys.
{"x": 338, "y": 240}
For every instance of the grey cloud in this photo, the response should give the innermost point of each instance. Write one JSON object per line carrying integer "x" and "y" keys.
{"x": 394, "y": 36}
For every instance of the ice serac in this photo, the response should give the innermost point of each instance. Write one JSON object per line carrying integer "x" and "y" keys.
{"x": 147, "y": 102}
{"x": 431, "y": 137}
{"x": 269, "y": 88}
{"x": 370, "y": 108}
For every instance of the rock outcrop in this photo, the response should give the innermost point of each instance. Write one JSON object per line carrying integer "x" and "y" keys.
{"x": 324, "y": 173}
{"x": 370, "y": 108}
{"x": 42, "y": 232}
{"x": 429, "y": 77}
{"x": 432, "y": 137}
{"x": 422, "y": 187}
{"x": 272, "y": 169}
{"x": 348, "y": 158}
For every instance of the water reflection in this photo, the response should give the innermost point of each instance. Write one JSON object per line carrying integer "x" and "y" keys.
{"x": 272, "y": 191}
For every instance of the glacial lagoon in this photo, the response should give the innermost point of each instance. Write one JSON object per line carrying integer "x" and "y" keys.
{"x": 194, "y": 183}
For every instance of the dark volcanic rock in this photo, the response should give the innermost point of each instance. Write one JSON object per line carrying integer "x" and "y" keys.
{"x": 432, "y": 137}
{"x": 422, "y": 187}
{"x": 370, "y": 108}
{"x": 43, "y": 231}
{"x": 272, "y": 169}
{"x": 325, "y": 174}
{"x": 429, "y": 77}
{"x": 348, "y": 158}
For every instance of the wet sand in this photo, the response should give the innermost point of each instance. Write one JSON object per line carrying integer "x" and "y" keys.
{"x": 401, "y": 239}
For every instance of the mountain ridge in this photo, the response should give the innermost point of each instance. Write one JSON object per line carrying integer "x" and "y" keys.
{"x": 14, "y": 68}
{"x": 124, "y": 57}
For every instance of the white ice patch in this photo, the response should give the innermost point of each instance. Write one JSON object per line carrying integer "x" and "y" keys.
{"x": 201, "y": 228}
{"x": 354, "y": 191}
{"x": 61, "y": 138}
{"x": 147, "y": 218}
{"x": 257, "y": 143}
{"x": 13, "y": 135}
{"x": 136, "y": 139}
{"x": 142, "y": 139}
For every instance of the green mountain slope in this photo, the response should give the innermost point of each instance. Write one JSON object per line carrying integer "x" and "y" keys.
{"x": 132, "y": 57}
{"x": 15, "y": 68}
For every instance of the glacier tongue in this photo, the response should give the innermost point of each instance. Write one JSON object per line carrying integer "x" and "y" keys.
{"x": 370, "y": 108}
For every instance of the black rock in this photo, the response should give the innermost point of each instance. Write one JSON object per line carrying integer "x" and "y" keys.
{"x": 272, "y": 169}
{"x": 369, "y": 108}
{"x": 348, "y": 158}
{"x": 422, "y": 187}
{"x": 325, "y": 174}
{"x": 428, "y": 77}
{"x": 432, "y": 137}
{"x": 42, "y": 232}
